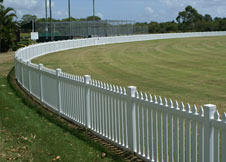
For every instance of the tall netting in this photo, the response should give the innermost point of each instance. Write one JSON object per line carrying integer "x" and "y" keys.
{"x": 89, "y": 28}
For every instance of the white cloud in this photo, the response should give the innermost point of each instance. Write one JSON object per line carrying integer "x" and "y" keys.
{"x": 140, "y": 10}
{"x": 33, "y": 7}
{"x": 100, "y": 15}
{"x": 216, "y": 8}
{"x": 148, "y": 10}
{"x": 195, "y": 3}
{"x": 60, "y": 14}
{"x": 23, "y": 4}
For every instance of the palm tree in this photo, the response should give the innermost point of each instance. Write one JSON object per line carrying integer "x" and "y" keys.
{"x": 7, "y": 27}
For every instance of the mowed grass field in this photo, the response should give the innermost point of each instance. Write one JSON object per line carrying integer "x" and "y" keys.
{"x": 192, "y": 70}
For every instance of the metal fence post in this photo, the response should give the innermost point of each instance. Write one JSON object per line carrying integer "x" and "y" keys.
{"x": 131, "y": 119}
{"x": 40, "y": 80}
{"x": 58, "y": 72}
{"x": 209, "y": 111}
{"x": 87, "y": 79}
{"x": 29, "y": 76}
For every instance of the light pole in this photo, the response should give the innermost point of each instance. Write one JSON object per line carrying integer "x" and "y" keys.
{"x": 51, "y": 21}
{"x": 93, "y": 9}
{"x": 69, "y": 14}
{"x": 46, "y": 19}
{"x": 94, "y": 26}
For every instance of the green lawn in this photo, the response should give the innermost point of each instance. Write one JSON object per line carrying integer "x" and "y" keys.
{"x": 6, "y": 62}
{"x": 29, "y": 133}
{"x": 25, "y": 35}
{"x": 190, "y": 70}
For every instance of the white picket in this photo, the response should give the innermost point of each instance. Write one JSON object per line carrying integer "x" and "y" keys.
{"x": 165, "y": 137}
{"x": 182, "y": 135}
{"x": 151, "y": 136}
{"x": 160, "y": 138}
{"x": 223, "y": 139}
{"x": 201, "y": 137}
{"x": 194, "y": 136}
{"x": 188, "y": 135}
{"x": 176, "y": 133}
{"x": 155, "y": 123}
{"x": 216, "y": 139}
{"x": 145, "y": 143}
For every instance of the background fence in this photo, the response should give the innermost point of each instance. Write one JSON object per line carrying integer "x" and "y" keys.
{"x": 155, "y": 128}
{"x": 101, "y": 28}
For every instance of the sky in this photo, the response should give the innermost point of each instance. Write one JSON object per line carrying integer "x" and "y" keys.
{"x": 138, "y": 10}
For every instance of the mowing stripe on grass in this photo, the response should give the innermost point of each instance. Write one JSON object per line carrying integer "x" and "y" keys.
{"x": 188, "y": 69}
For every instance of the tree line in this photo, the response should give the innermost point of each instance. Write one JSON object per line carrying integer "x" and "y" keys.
{"x": 188, "y": 20}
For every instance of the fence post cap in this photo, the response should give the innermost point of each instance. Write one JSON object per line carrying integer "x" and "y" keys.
{"x": 210, "y": 106}
{"x": 40, "y": 66}
{"x": 87, "y": 79}
{"x": 29, "y": 62}
{"x": 58, "y": 71}
{"x": 131, "y": 90}
{"x": 209, "y": 110}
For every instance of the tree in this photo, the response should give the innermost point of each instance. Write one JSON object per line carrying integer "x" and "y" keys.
{"x": 91, "y": 18}
{"x": 188, "y": 19}
{"x": 221, "y": 23}
{"x": 207, "y": 18}
{"x": 154, "y": 27}
{"x": 7, "y": 27}
{"x": 169, "y": 27}
{"x": 27, "y": 19}
{"x": 72, "y": 19}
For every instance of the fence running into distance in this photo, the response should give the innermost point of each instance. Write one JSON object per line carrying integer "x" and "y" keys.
{"x": 90, "y": 28}
{"x": 156, "y": 129}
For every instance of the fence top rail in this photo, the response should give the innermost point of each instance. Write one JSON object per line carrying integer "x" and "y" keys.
{"x": 33, "y": 65}
{"x": 157, "y": 103}
{"x": 72, "y": 77}
{"x": 45, "y": 69}
{"x": 108, "y": 87}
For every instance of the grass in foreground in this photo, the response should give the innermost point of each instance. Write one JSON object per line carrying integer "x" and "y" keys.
{"x": 28, "y": 133}
{"x": 190, "y": 70}
{"x": 6, "y": 62}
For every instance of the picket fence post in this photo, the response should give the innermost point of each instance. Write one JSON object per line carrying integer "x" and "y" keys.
{"x": 131, "y": 119}
{"x": 22, "y": 72}
{"x": 223, "y": 139}
{"x": 58, "y": 73}
{"x": 16, "y": 66}
{"x": 209, "y": 111}
{"x": 29, "y": 76}
{"x": 40, "y": 80}
{"x": 87, "y": 79}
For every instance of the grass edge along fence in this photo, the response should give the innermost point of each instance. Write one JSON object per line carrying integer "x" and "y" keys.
{"x": 154, "y": 128}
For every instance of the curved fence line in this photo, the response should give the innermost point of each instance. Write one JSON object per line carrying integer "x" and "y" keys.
{"x": 155, "y": 128}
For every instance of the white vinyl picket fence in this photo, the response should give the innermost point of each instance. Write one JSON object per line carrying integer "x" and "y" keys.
{"x": 155, "y": 128}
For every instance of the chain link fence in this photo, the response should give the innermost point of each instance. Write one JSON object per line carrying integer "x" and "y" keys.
{"x": 64, "y": 30}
